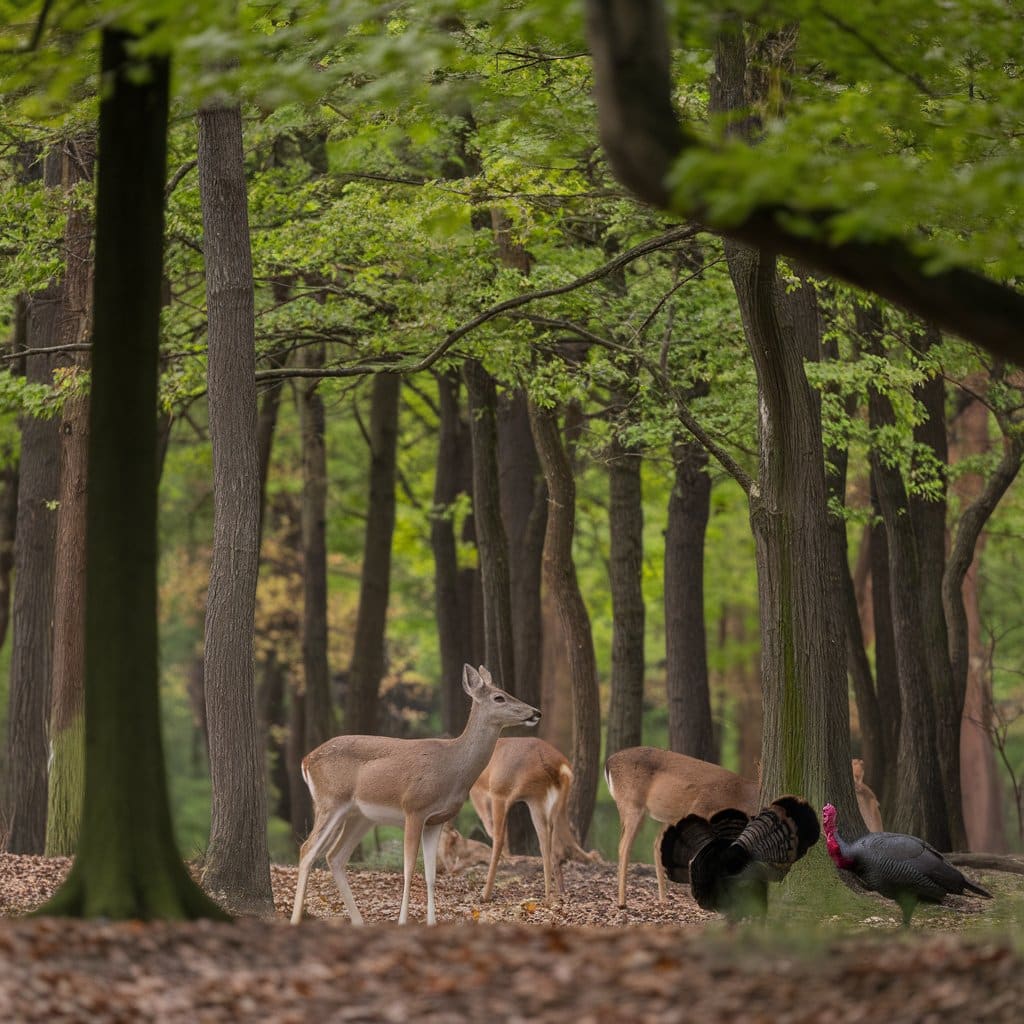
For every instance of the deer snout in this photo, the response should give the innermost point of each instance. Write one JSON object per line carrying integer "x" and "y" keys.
{"x": 534, "y": 717}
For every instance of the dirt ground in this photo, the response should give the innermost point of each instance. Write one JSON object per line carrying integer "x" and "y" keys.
{"x": 579, "y": 959}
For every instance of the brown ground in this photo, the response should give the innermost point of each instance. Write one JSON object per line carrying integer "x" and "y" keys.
{"x": 517, "y": 959}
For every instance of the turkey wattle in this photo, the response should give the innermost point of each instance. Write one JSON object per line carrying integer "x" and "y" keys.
{"x": 901, "y": 867}
{"x": 730, "y": 858}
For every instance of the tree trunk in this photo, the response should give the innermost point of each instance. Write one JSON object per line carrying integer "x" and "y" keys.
{"x": 560, "y": 577}
{"x": 34, "y": 561}
{"x": 67, "y": 726}
{"x": 453, "y": 586}
{"x": 237, "y": 862}
{"x": 8, "y": 525}
{"x": 626, "y": 530}
{"x": 918, "y": 805}
{"x": 368, "y": 662}
{"x": 127, "y": 865}
{"x": 929, "y": 522}
{"x": 492, "y": 543}
{"x": 320, "y": 725}
{"x": 690, "y": 725}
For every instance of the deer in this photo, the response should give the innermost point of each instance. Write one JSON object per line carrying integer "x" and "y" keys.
{"x": 866, "y": 799}
{"x": 668, "y": 786}
{"x": 357, "y": 782}
{"x": 530, "y": 770}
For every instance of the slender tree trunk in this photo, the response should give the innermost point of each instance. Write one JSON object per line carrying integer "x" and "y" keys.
{"x": 690, "y": 725}
{"x": 320, "y": 724}
{"x": 127, "y": 865}
{"x": 67, "y": 724}
{"x": 626, "y": 529}
{"x": 453, "y": 586}
{"x": 368, "y": 662}
{"x": 32, "y": 615}
{"x": 237, "y": 861}
{"x": 560, "y": 577}
{"x": 8, "y": 525}
{"x": 492, "y": 543}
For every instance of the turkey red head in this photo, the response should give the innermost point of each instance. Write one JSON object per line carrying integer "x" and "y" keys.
{"x": 828, "y": 818}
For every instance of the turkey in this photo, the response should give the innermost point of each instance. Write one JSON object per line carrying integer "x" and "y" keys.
{"x": 730, "y": 858}
{"x": 903, "y": 868}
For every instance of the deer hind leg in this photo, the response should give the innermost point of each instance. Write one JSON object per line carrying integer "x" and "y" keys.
{"x": 631, "y": 819}
{"x": 499, "y": 810}
{"x": 659, "y": 868}
{"x": 431, "y": 837}
{"x": 355, "y": 827}
{"x": 540, "y": 816}
{"x": 411, "y": 845}
{"x": 323, "y": 837}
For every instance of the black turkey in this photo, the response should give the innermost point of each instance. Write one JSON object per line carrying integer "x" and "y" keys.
{"x": 730, "y": 858}
{"x": 901, "y": 867}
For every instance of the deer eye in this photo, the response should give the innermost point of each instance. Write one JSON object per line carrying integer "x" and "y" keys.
{"x": 498, "y": 699}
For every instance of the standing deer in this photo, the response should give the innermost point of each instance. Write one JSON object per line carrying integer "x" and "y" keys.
{"x": 669, "y": 786}
{"x": 533, "y": 771}
{"x": 357, "y": 782}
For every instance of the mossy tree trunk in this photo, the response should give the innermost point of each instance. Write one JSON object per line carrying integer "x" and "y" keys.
{"x": 67, "y": 727}
{"x": 128, "y": 865}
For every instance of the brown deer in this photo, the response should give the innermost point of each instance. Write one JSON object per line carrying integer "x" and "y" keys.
{"x": 668, "y": 786}
{"x": 530, "y": 770}
{"x": 357, "y": 782}
{"x": 866, "y": 799}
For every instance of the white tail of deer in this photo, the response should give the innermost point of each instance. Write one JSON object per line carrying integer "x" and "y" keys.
{"x": 357, "y": 782}
{"x": 532, "y": 771}
{"x": 668, "y": 786}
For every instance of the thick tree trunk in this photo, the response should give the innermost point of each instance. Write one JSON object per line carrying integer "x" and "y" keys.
{"x": 237, "y": 862}
{"x": 626, "y": 534}
{"x": 453, "y": 586}
{"x": 918, "y": 805}
{"x": 492, "y": 543}
{"x": 368, "y": 662}
{"x": 8, "y": 525}
{"x": 127, "y": 865}
{"x": 560, "y": 577}
{"x": 929, "y": 522}
{"x": 320, "y": 725}
{"x": 690, "y": 724}
{"x": 34, "y": 561}
{"x": 67, "y": 724}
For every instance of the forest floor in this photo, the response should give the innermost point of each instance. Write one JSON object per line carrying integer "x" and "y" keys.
{"x": 579, "y": 960}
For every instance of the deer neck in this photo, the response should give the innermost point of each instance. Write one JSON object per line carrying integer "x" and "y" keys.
{"x": 473, "y": 748}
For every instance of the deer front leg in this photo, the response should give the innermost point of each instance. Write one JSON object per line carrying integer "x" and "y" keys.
{"x": 498, "y": 810}
{"x": 631, "y": 820}
{"x": 411, "y": 845}
{"x": 659, "y": 868}
{"x": 431, "y": 837}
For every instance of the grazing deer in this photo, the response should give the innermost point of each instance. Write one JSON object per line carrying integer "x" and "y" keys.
{"x": 669, "y": 786}
{"x": 866, "y": 799}
{"x": 456, "y": 852}
{"x": 357, "y": 782}
{"x": 532, "y": 771}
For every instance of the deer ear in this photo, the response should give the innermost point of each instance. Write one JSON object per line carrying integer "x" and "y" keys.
{"x": 471, "y": 681}
{"x": 486, "y": 676}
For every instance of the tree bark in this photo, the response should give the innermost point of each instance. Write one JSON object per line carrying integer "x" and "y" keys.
{"x": 127, "y": 865}
{"x": 453, "y": 585}
{"x": 368, "y": 662}
{"x": 67, "y": 725}
{"x": 320, "y": 725}
{"x": 237, "y": 862}
{"x": 34, "y": 563}
{"x": 626, "y": 535}
{"x": 492, "y": 543}
{"x": 560, "y": 577}
{"x": 690, "y": 724}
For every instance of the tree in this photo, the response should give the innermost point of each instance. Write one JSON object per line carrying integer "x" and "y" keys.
{"x": 127, "y": 865}
{"x": 368, "y": 663}
{"x": 237, "y": 862}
